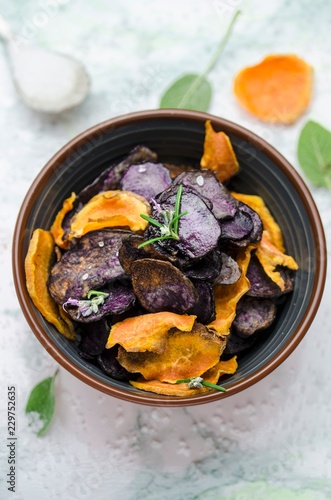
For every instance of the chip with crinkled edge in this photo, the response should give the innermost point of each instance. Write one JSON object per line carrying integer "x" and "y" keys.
{"x": 270, "y": 257}
{"x": 187, "y": 354}
{"x": 37, "y": 268}
{"x": 257, "y": 203}
{"x": 222, "y": 368}
{"x": 148, "y": 332}
{"x": 227, "y": 296}
{"x": 57, "y": 229}
{"x": 218, "y": 154}
{"x": 110, "y": 209}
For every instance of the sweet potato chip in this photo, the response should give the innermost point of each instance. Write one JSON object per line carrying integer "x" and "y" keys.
{"x": 227, "y": 296}
{"x": 110, "y": 209}
{"x": 148, "y": 332}
{"x": 269, "y": 223}
{"x": 222, "y": 368}
{"x": 277, "y": 90}
{"x": 218, "y": 154}
{"x": 57, "y": 229}
{"x": 187, "y": 354}
{"x": 37, "y": 267}
{"x": 270, "y": 257}
{"x": 182, "y": 390}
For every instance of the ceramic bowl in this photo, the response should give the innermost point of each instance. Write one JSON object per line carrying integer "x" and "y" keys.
{"x": 177, "y": 136}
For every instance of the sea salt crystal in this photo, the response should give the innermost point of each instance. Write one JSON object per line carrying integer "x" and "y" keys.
{"x": 101, "y": 244}
{"x": 85, "y": 276}
{"x": 200, "y": 180}
{"x": 142, "y": 169}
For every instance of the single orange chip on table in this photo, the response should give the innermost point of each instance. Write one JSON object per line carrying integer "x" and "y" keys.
{"x": 37, "y": 268}
{"x": 110, "y": 209}
{"x": 57, "y": 229}
{"x": 269, "y": 223}
{"x": 277, "y": 90}
{"x": 218, "y": 154}
{"x": 212, "y": 375}
{"x": 187, "y": 354}
{"x": 227, "y": 296}
{"x": 148, "y": 332}
{"x": 270, "y": 257}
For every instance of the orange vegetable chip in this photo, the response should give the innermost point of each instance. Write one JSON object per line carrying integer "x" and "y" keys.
{"x": 212, "y": 375}
{"x": 148, "y": 332}
{"x": 269, "y": 223}
{"x": 277, "y": 90}
{"x": 181, "y": 390}
{"x": 37, "y": 267}
{"x": 222, "y": 368}
{"x": 187, "y": 354}
{"x": 270, "y": 257}
{"x": 57, "y": 229}
{"x": 218, "y": 154}
{"x": 110, "y": 209}
{"x": 227, "y": 296}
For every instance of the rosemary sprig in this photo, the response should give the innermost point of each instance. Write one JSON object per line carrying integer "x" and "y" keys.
{"x": 198, "y": 382}
{"x": 169, "y": 229}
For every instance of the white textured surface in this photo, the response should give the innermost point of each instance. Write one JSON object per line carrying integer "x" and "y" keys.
{"x": 270, "y": 442}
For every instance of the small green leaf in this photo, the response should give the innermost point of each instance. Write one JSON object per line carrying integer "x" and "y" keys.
{"x": 188, "y": 92}
{"x": 314, "y": 153}
{"x": 41, "y": 403}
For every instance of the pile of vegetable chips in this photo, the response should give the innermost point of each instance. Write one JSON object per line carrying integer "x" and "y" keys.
{"x": 159, "y": 273}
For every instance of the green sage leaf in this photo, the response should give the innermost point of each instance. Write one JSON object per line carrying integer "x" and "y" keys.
{"x": 188, "y": 92}
{"x": 314, "y": 153}
{"x": 41, "y": 404}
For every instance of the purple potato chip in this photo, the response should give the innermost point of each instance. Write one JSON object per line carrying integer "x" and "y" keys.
{"x": 198, "y": 231}
{"x": 160, "y": 286}
{"x": 236, "y": 228}
{"x": 256, "y": 233}
{"x": 204, "y": 308}
{"x": 207, "y": 268}
{"x": 230, "y": 272}
{"x": 93, "y": 339}
{"x": 263, "y": 286}
{"x": 147, "y": 179}
{"x": 129, "y": 252}
{"x": 165, "y": 197}
{"x": 109, "y": 364}
{"x": 91, "y": 263}
{"x": 110, "y": 178}
{"x": 244, "y": 229}
{"x": 206, "y": 184}
{"x": 236, "y": 345}
{"x": 253, "y": 314}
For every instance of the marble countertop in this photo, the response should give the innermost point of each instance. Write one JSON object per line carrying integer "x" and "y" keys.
{"x": 269, "y": 442}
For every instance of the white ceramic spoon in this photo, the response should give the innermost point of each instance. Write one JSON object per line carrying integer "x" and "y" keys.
{"x": 46, "y": 81}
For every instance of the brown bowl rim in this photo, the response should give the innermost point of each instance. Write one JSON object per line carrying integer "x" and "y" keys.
{"x": 230, "y": 128}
